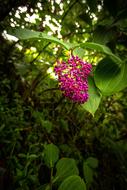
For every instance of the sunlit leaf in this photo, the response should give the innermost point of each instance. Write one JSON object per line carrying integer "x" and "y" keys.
{"x": 25, "y": 34}
{"x": 101, "y": 48}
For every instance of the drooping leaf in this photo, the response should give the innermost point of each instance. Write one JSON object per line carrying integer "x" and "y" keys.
{"x": 64, "y": 168}
{"x": 101, "y": 48}
{"x": 97, "y": 47}
{"x": 73, "y": 182}
{"x": 94, "y": 97}
{"x": 25, "y": 34}
{"x": 51, "y": 155}
{"x": 109, "y": 77}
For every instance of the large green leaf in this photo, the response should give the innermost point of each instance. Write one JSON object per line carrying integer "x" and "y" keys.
{"x": 73, "y": 182}
{"x": 51, "y": 155}
{"x": 109, "y": 77}
{"x": 101, "y": 48}
{"x": 94, "y": 97}
{"x": 25, "y": 34}
{"x": 64, "y": 168}
{"x": 96, "y": 46}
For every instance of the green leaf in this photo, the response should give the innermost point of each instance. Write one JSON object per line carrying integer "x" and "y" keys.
{"x": 94, "y": 97}
{"x": 73, "y": 183}
{"x": 88, "y": 174}
{"x": 64, "y": 168}
{"x": 25, "y": 34}
{"x": 51, "y": 155}
{"x": 97, "y": 47}
{"x": 109, "y": 77}
{"x": 92, "y": 162}
{"x": 101, "y": 48}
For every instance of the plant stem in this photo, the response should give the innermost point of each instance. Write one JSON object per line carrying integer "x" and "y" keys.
{"x": 51, "y": 178}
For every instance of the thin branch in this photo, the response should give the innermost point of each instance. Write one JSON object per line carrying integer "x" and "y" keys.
{"x": 50, "y": 89}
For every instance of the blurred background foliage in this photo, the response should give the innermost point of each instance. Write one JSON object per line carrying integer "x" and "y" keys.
{"x": 33, "y": 112}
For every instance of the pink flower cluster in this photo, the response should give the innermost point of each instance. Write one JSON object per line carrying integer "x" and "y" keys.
{"x": 72, "y": 78}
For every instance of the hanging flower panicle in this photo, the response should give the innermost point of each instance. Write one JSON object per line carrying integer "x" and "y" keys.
{"x": 72, "y": 77}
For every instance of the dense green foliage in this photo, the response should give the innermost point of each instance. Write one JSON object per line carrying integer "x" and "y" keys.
{"x": 48, "y": 142}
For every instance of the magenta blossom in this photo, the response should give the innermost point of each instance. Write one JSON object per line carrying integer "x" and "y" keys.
{"x": 72, "y": 78}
